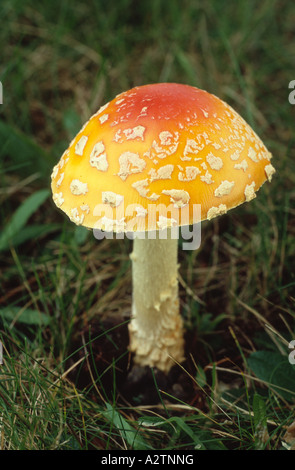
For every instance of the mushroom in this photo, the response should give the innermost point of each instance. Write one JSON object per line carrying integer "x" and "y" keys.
{"x": 140, "y": 165}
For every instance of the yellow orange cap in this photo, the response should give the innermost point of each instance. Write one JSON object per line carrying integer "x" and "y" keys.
{"x": 164, "y": 145}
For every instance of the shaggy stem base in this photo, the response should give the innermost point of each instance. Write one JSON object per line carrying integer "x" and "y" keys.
{"x": 156, "y": 334}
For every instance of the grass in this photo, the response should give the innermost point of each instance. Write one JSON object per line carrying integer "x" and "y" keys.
{"x": 65, "y": 297}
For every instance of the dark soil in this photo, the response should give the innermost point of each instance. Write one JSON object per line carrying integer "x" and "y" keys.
{"x": 108, "y": 363}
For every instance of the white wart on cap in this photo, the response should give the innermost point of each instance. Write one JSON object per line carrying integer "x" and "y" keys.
{"x": 146, "y": 147}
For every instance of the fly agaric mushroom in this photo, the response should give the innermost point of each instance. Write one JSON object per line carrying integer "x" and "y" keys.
{"x": 161, "y": 145}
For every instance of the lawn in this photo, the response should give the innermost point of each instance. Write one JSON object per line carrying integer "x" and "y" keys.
{"x": 67, "y": 381}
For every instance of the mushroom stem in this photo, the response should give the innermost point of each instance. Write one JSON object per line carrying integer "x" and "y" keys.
{"x": 156, "y": 334}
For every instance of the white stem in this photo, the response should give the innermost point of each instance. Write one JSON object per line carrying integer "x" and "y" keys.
{"x": 156, "y": 335}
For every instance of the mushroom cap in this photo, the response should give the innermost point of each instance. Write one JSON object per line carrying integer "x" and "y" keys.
{"x": 148, "y": 156}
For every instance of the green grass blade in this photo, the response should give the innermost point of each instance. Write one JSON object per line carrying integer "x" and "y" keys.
{"x": 27, "y": 316}
{"x": 128, "y": 433}
{"x": 32, "y": 232}
{"x": 23, "y": 151}
{"x": 260, "y": 421}
{"x": 21, "y": 216}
